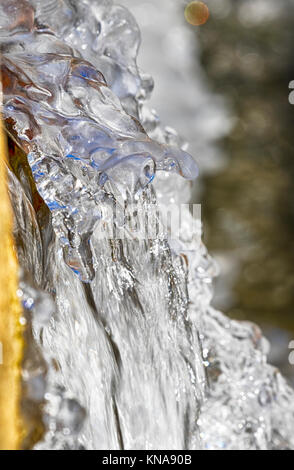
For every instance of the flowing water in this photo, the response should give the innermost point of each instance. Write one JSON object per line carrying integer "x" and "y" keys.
{"x": 125, "y": 351}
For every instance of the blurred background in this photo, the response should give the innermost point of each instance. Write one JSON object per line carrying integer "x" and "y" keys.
{"x": 224, "y": 86}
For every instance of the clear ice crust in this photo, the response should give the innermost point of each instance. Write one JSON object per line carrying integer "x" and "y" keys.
{"x": 130, "y": 354}
{"x": 69, "y": 121}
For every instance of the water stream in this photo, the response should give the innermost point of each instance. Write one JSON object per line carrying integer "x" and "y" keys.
{"x": 126, "y": 351}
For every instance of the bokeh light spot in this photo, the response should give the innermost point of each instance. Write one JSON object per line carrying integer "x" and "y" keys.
{"x": 196, "y": 13}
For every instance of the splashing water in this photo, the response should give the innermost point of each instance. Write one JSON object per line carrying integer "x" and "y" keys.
{"x": 134, "y": 356}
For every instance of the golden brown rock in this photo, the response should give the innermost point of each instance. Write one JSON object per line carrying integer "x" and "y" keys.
{"x": 11, "y": 341}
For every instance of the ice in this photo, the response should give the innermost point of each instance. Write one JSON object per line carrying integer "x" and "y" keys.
{"x": 71, "y": 124}
{"x": 134, "y": 355}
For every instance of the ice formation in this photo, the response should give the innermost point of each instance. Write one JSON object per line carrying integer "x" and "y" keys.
{"x": 134, "y": 355}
